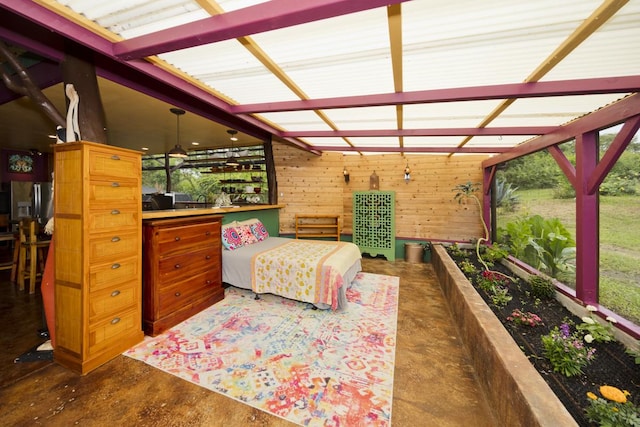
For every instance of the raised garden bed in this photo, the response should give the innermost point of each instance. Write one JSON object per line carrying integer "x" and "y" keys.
{"x": 519, "y": 381}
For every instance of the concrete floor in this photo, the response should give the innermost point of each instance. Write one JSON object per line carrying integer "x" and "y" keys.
{"x": 434, "y": 382}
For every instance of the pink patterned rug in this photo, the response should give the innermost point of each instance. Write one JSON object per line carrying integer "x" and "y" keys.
{"x": 311, "y": 367}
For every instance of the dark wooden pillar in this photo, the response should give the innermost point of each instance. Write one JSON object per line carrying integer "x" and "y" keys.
{"x": 78, "y": 69}
{"x": 272, "y": 182}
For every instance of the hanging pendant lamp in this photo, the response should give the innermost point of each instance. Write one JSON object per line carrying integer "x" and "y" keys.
{"x": 230, "y": 160}
{"x": 177, "y": 151}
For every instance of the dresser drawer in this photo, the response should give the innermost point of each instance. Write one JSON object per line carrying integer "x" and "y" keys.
{"x": 113, "y": 219}
{"x": 107, "y": 194}
{"x": 107, "y": 275}
{"x": 185, "y": 238}
{"x": 108, "y": 165}
{"x": 178, "y": 267}
{"x": 173, "y": 298}
{"x": 111, "y": 301}
{"x": 108, "y": 332}
{"x": 113, "y": 247}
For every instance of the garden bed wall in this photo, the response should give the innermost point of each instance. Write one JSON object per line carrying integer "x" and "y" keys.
{"x": 513, "y": 387}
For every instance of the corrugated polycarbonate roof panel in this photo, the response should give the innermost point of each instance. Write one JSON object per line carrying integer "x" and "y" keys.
{"x": 537, "y": 111}
{"x": 470, "y": 43}
{"x": 611, "y": 51}
{"x": 132, "y": 18}
{"x": 364, "y": 118}
{"x": 446, "y": 44}
{"x": 347, "y": 55}
{"x": 297, "y": 120}
{"x": 232, "y": 70}
{"x": 447, "y": 115}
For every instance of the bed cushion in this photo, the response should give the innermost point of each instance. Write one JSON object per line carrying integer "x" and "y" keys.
{"x": 259, "y": 230}
{"x": 231, "y": 239}
{"x": 246, "y": 235}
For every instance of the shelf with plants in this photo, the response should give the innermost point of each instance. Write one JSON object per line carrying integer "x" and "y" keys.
{"x": 245, "y": 181}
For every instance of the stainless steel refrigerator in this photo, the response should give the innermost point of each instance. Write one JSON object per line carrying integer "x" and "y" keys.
{"x": 31, "y": 199}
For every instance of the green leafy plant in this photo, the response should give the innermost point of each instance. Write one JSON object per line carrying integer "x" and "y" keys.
{"x": 500, "y": 296}
{"x": 635, "y": 354}
{"x": 566, "y": 351}
{"x": 613, "y": 409}
{"x": 544, "y": 244}
{"x": 594, "y": 330}
{"x": 542, "y": 287}
{"x": 467, "y": 267}
{"x": 527, "y": 318}
{"x": 495, "y": 253}
{"x": 455, "y": 251}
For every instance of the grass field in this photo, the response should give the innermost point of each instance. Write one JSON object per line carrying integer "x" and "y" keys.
{"x": 619, "y": 243}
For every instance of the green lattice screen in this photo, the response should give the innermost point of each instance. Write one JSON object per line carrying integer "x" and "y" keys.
{"x": 374, "y": 227}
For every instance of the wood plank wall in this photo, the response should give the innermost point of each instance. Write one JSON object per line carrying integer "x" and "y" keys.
{"x": 425, "y": 207}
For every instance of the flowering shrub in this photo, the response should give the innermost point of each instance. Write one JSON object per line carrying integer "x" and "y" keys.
{"x": 467, "y": 267}
{"x": 612, "y": 409}
{"x": 594, "y": 330}
{"x": 490, "y": 280}
{"x": 566, "y": 351}
{"x": 527, "y": 319}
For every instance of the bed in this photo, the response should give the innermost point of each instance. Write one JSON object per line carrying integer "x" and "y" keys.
{"x": 313, "y": 271}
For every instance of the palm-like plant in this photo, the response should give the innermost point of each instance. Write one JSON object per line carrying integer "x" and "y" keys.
{"x": 466, "y": 191}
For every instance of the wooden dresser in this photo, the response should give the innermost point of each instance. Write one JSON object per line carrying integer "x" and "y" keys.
{"x": 182, "y": 269}
{"x": 98, "y": 263}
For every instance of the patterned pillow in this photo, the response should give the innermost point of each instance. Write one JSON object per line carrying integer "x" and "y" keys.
{"x": 259, "y": 230}
{"x": 230, "y": 238}
{"x": 246, "y": 236}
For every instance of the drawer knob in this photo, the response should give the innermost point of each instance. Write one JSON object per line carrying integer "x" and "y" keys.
{"x": 115, "y": 212}
{"x": 208, "y": 233}
{"x": 115, "y": 239}
{"x": 114, "y": 266}
{"x": 208, "y": 282}
{"x": 115, "y": 293}
{"x": 177, "y": 239}
{"x": 115, "y": 184}
{"x": 115, "y": 157}
{"x": 177, "y": 294}
{"x": 177, "y": 266}
{"x": 207, "y": 257}
{"x": 115, "y": 320}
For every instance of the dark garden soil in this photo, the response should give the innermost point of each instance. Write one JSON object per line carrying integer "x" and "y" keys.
{"x": 611, "y": 366}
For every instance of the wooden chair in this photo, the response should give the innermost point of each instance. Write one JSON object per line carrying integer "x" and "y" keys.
{"x": 6, "y": 235}
{"x": 33, "y": 250}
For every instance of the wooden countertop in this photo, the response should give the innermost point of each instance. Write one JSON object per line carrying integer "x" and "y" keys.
{"x": 173, "y": 213}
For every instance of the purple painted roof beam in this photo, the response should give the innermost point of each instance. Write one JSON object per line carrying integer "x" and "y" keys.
{"x": 623, "y": 84}
{"x": 250, "y": 20}
{"x": 523, "y": 130}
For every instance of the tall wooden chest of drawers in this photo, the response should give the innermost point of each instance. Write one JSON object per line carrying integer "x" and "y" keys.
{"x": 98, "y": 262}
{"x": 182, "y": 269}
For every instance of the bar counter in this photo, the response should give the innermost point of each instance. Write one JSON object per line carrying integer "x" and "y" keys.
{"x": 175, "y": 213}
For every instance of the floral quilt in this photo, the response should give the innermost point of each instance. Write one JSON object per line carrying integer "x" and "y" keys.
{"x": 308, "y": 271}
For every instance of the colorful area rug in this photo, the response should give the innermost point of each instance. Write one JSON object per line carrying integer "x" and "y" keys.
{"x": 311, "y": 367}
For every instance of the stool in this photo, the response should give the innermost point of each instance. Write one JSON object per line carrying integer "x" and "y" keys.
{"x": 32, "y": 250}
{"x": 10, "y": 265}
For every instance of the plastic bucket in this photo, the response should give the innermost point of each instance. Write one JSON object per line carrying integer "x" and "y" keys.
{"x": 414, "y": 252}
